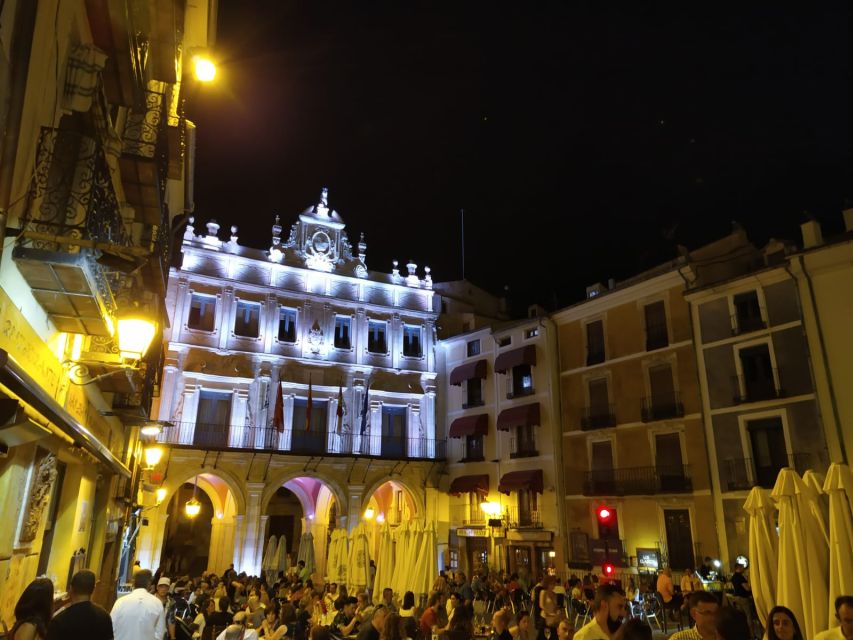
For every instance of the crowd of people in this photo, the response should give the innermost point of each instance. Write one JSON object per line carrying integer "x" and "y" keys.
{"x": 490, "y": 606}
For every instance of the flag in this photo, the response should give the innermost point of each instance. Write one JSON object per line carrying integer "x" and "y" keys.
{"x": 278, "y": 414}
{"x": 364, "y": 409}
{"x": 340, "y": 411}
{"x": 308, "y": 408}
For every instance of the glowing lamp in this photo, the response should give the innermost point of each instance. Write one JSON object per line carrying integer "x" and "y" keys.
{"x": 205, "y": 70}
{"x": 490, "y": 508}
{"x": 160, "y": 495}
{"x": 134, "y": 336}
{"x": 380, "y": 518}
{"x": 192, "y": 508}
{"x": 608, "y": 569}
{"x": 718, "y": 564}
{"x": 369, "y": 513}
{"x": 152, "y": 429}
{"x": 310, "y": 516}
{"x": 153, "y": 455}
{"x": 552, "y": 554}
{"x": 604, "y": 513}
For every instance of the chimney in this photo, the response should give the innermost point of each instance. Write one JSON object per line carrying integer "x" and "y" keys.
{"x": 812, "y": 236}
{"x": 848, "y": 219}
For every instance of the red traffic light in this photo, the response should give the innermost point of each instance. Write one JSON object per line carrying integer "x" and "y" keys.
{"x": 604, "y": 513}
{"x": 608, "y": 569}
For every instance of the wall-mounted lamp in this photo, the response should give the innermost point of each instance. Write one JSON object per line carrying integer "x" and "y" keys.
{"x": 135, "y": 334}
{"x": 369, "y": 513}
{"x": 160, "y": 495}
{"x": 193, "y": 507}
{"x": 153, "y": 455}
{"x": 204, "y": 68}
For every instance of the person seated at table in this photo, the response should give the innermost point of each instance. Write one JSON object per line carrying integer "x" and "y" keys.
{"x": 429, "y": 619}
{"x": 500, "y": 624}
{"x": 364, "y": 608}
{"x": 271, "y": 627}
{"x": 783, "y": 625}
{"x": 740, "y": 584}
{"x": 331, "y": 595}
{"x": 345, "y": 621}
{"x": 373, "y": 629}
{"x": 670, "y": 600}
{"x": 844, "y": 615}
{"x": 407, "y": 609}
{"x": 462, "y": 625}
{"x": 732, "y": 625}
{"x": 703, "y": 611}
{"x": 523, "y": 629}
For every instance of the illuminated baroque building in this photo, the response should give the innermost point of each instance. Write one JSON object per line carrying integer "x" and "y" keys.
{"x": 96, "y": 162}
{"x": 302, "y": 390}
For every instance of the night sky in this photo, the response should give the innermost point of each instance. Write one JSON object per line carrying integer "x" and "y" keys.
{"x": 584, "y": 142}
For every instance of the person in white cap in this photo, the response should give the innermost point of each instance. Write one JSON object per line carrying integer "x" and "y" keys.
{"x": 139, "y": 615}
{"x": 163, "y": 585}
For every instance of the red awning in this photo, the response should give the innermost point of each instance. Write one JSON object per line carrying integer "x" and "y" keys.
{"x": 467, "y": 484}
{"x": 515, "y": 480}
{"x": 477, "y": 425}
{"x": 523, "y": 415}
{"x": 510, "y": 359}
{"x": 463, "y": 372}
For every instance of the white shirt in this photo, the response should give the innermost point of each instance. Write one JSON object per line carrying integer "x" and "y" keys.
{"x": 830, "y": 634}
{"x": 138, "y": 616}
{"x": 248, "y": 634}
{"x": 590, "y": 631}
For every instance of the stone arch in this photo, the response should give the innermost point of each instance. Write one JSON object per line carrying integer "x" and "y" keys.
{"x": 417, "y": 495}
{"x": 178, "y": 478}
{"x": 279, "y": 480}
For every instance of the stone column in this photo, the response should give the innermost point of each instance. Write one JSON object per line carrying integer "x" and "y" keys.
{"x": 261, "y": 548}
{"x": 252, "y": 527}
{"x": 216, "y": 547}
{"x": 428, "y": 420}
{"x": 375, "y": 428}
{"x": 188, "y": 413}
{"x": 182, "y": 302}
{"x": 395, "y": 340}
{"x": 355, "y": 494}
{"x": 237, "y": 433}
{"x": 170, "y": 390}
{"x": 226, "y": 315}
{"x": 239, "y": 541}
{"x": 360, "y": 335}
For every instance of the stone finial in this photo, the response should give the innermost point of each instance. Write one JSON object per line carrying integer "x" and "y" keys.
{"x": 412, "y": 279}
{"x": 427, "y": 278}
{"x": 411, "y": 266}
{"x": 275, "y": 249}
{"x": 324, "y": 196}
{"x": 189, "y": 232}
{"x": 395, "y": 271}
{"x": 212, "y": 228}
{"x": 234, "y": 233}
{"x": 362, "y": 247}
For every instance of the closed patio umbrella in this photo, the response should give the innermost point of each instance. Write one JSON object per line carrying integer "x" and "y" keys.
{"x": 358, "y": 567}
{"x": 281, "y": 561}
{"x": 426, "y": 562}
{"x": 401, "y": 548}
{"x": 306, "y": 551}
{"x": 269, "y": 561}
{"x": 336, "y": 567}
{"x": 416, "y": 534}
{"x": 839, "y": 488}
{"x": 803, "y": 554}
{"x": 763, "y": 550}
{"x": 384, "y": 562}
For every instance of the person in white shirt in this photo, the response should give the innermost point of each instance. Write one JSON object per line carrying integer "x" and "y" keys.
{"x": 844, "y": 615}
{"x": 608, "y": 613}
{"x": 139, "y": 615}
{"x": 703, "y": 610}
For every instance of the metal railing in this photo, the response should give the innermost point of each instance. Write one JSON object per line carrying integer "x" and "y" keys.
{"x": 599, "y": 417}
{"x": 744, "y": 473}
{"x": 465, "y": 515}
{"x": 516, "y": 518}
{"x": 634, "y": 481}
{"x": 662, "y": 408}
{"x": 756, "y": 390}
{"x": 316, "y": 442}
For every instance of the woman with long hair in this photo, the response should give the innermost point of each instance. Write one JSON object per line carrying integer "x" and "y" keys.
{"x": 462, "y": 625}
{"x": 392, "y": 629}
{"x": 33, "y": 611}
{"x": 407, "y": 610}
{"x": 783, "y": 625}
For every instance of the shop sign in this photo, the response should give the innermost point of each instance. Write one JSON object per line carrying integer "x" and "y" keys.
{"x": 472, "y": 533}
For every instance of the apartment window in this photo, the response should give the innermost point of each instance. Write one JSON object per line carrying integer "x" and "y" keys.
{"x": 412, "y": 341}
{"x": 669, "y": 464}
{"x": 246, "y": 319}
{"x": 376, "y": 332}
{"x": 393, "y": 431}
{"x": 748, "y": 312}
{"x": 473, "y": 392}
{"x": 287, "y": 325}
{"x": 473, "y": 448}
{"x": 769, "y": 452}
{"x": 531, "y": 333}
{"x": 657, "y": 336}
{"x": 525, "y": 441}
{"x": 599, "y": 413}
{"x": 601, "y": 467}
{"x": 202, "y": 312}
{"x": 663, "y": 401}
{"x": 522, "y": 380}
{"x": 307, "y": 438}
{"x": 342, "y": 332}
{"x": 212, "y": 419}
{"x": 505, "y": 341}
{"x": 594, "y": 342}
{"x": 473, "y": 348}
{"x": 527, "y": 512}
{"x": 757, "y": 382}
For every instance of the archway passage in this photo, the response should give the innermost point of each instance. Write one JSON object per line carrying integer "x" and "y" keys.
{"x": 186, "y": 541}
{"x": 391, "y": 502}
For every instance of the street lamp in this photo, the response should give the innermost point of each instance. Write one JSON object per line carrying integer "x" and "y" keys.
{"x": 160, "y": 495}
{"x": 490, "y": 508}
{"x": 193, "y": 507}
{"x": 153, "y": 455}
{"x": 151, "y": 429}
{"x": 135, "y": 334}
{"x": 205, "y": 69}
{"x": 369, "y": 513}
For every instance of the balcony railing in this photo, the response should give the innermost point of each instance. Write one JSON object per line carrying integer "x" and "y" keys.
{"x": 662, "y": 408}
{"x": 598, "y": 417}
{"x": 218, "y": 437}
{"x": 746, "y": 324}
{"x": 756, "y": 390}
{"x": 464, "y": 515}
{"x": 522, "y": 448}
{"x": 516, "y": 518}
{"x": 635, "y": 481}
{"x": 744, "y": 473}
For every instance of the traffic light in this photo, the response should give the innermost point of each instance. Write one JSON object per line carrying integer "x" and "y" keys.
{"x": 608, "y": 525}
{"x": 608, "y": 569}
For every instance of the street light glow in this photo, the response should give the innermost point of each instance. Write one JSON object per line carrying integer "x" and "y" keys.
{"x": 205, "y": 70}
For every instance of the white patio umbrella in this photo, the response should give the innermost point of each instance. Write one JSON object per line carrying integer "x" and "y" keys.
{"x": 336, "y": 566}
{"x": 281, "y": 559}
{"x": 268, "y": 562}
{"x": 306, "y": 551}
{"x": 763, "y": 550}
{"x": 401, "y": 547}
{"x": 839, "y": 487}
{"x": 384, "y": 562}
{"x": 358, "y": 567}
{"x": 416, "y": 534}
{"x": 803, "y": 555}
{"x": 425, "y": 569}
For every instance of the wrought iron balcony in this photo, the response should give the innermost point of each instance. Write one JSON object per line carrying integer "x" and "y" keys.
{"x": 741, "y": 474}
{"x": 662, "y": 408}
{"x": 298, "y": 442}
{"x": 465, "y": 515}
{"x": 757, "y": 389}
{"x": 516, "y": 518}
{"x": 599, "y": 417}
{"x": 635, "y": 481}
{"x": 72, "y": 200}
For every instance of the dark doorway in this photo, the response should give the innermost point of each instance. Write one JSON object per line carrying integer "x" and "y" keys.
{"x": 212, "y": 419}
{"x": 679, "y": 539}
{"x": 393, "y": 432}
{"x": 769, "y": 453}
